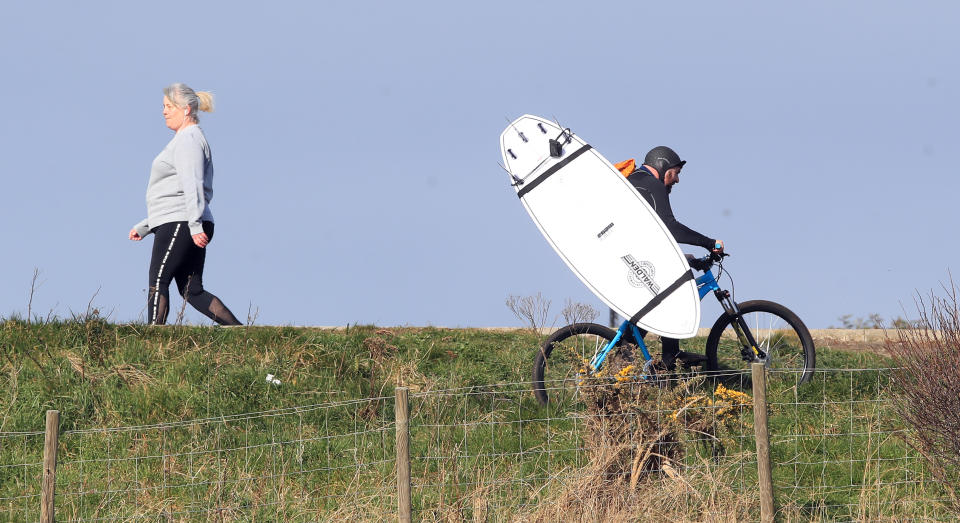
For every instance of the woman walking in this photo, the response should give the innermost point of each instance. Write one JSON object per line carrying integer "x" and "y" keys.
{"x": 178, "y": 210}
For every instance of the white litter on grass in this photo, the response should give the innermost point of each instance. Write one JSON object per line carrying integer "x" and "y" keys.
{"x": 272, "y": 379}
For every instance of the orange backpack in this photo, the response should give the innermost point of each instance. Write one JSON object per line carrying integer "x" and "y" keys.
{"x": 626, "y": 167}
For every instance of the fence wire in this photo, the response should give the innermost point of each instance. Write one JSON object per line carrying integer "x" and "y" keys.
{"x": 21, "y": 466}
{"x": 306, "y": 463}
{"x": 492, "y": 452}
{"x": 840, "y": 452}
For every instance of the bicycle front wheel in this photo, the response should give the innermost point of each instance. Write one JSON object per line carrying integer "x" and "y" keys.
{"x": 778, "y": 332}
{"x": 565, "y": 355}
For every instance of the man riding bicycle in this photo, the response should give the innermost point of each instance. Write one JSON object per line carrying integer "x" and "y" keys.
{"x": 654, "y": 180}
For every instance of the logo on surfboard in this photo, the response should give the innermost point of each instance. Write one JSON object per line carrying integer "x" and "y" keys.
{"x": 641, "y": 274}
{"x": 604, "y": 231}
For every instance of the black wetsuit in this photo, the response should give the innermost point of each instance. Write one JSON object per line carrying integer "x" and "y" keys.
{"x": 658, "y": 196}
{"x": 175, "y": 256}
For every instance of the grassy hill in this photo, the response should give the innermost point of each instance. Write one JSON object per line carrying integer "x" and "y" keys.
{"x": 489, "y": 449}
{"x": 100, "y": 374}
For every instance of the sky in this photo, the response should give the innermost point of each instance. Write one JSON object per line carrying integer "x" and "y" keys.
{"x": 356, "y": 149}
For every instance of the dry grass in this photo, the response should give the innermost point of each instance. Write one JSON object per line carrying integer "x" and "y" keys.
{"x": 643, "y": 463}
{"x": 128, "y": 373}
{"x": 704, "y": 495}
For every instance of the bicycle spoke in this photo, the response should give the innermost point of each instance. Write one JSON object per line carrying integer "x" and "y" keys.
{"x": 777, "y": 332}
{"x": 564, "y": 359}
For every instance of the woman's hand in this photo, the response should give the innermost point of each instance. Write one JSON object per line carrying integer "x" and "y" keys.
{"x": 134, "y": 235}
{"x": 201, "y": 240}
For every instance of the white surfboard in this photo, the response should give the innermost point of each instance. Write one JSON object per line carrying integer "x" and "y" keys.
{"x": 601, "y": 227}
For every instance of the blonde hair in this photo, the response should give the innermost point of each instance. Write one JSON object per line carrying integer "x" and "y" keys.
{"x": 182, "y": 96}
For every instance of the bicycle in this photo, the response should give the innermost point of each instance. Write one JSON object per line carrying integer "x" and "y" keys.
{"x": 758, "y": 331}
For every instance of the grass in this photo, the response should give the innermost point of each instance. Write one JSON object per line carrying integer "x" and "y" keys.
{"x": 487, "y": 450}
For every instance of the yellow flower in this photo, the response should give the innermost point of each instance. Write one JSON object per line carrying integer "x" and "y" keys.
{"x": 735, "y": 397}
{"x": 690, "y": 402}
{"x": 624, "y": 373}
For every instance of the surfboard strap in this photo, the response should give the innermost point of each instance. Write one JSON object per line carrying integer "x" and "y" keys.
{"x": 684, "y": 278}
{"x": 549, "y": 172}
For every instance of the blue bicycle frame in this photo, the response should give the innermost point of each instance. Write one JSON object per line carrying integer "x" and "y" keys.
{"x": 705, "y": 284}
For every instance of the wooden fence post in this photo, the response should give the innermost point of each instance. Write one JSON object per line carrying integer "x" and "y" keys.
{"x": 402, "y": 414}
{"x": 763, "y": 441}
{"x": 50, "y": 439}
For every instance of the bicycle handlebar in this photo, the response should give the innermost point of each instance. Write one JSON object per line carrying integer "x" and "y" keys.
{"x": 704, "y": 263}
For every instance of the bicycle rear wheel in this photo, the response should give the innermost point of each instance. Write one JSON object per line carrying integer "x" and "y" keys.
{"x": 564, "y": 355}
{"x": 777, "y": 331}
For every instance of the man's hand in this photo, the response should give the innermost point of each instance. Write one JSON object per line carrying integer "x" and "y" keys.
{"x": 201, "y": 240}
{"x": 134, "y": 235}
{"x": 716, "y": 254}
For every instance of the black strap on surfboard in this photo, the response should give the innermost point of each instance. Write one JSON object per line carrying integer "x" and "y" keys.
{"x": 559, "y": 165}
{"x": 684, "y": 278}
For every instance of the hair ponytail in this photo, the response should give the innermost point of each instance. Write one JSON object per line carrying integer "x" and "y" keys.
{"x": 205, "y": 101}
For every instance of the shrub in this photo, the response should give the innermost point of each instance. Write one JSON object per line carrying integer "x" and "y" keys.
{"x": 927, "y": 386}
{"x": 640, "y": 437}
{"x": 637, "y": 427}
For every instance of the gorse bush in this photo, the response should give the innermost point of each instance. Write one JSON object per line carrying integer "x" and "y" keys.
{"x": 656, "y": 449}
{"x": 642, "y": 428}
{"x": 927, "y": 383}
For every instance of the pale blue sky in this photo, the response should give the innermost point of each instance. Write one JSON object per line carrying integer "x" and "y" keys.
{"x": 355, "y": 146}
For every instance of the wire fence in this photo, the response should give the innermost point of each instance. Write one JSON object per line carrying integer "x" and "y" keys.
{"x": 493, "y": 452}
{"x": 840, "y": 451}
{"x": 20, "y": 471}
{"x": 302, "y": 462}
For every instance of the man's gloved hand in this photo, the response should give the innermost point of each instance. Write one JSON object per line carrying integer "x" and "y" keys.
{"x": 717, "y": 252}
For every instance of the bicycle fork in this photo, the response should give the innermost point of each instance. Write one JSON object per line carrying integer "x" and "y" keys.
{"x": 749, "y": 348}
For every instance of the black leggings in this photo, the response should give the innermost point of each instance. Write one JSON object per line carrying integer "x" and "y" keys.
{"x": 175, "y": 256}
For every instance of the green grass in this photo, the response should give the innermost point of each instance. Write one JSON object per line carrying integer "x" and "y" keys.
{"x": 102, "y": 375}
{"x": 488, "y": 448}
{"x": 838, "y": 449}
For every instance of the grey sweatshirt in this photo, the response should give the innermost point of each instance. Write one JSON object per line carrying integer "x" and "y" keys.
{"x": 181, "y": 183}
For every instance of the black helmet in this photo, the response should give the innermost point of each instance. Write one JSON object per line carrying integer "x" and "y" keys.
{"x": 663, "y": 158}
